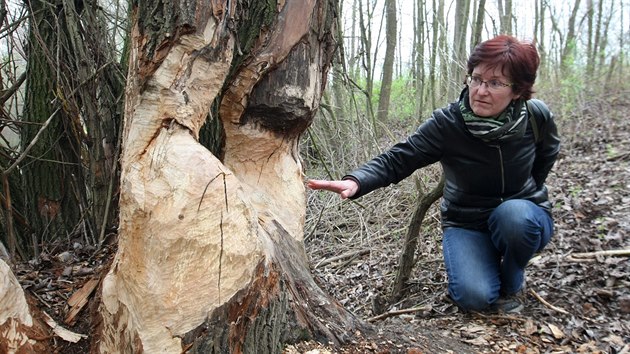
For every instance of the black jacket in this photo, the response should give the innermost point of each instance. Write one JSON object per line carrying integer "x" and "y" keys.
{"x": 478, "y": 175}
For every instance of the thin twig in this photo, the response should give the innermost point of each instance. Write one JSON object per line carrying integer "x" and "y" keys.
{"x": 544, "y": 302}
{"x": 11, "y": 90}
{"x": 352, "y": 255}
{"x": 32, "y": 143}
{"x": 620, "y": 156}
{"x": 501, "y": 317}
{"x": 398, "y": 312}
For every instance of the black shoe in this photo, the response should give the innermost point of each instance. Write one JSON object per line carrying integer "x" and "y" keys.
{"x": 514, "y": 303}
{"x": 510, "y": 304}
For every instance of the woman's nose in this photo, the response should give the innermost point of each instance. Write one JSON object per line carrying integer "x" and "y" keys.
{"x": 483, "y": 88}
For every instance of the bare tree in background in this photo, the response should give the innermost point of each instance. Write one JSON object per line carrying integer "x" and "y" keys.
{"x": 439, "y": 45}
{"x": 366, "y": 12}
{"x": 569, "y": 42}
{"x": 458, "y": 57}
{"x": 419, "y": 55}
{"x": 388, "y": 64}
{"x": 478, "y": 20}
{"x": 505, "y": 16}
{"x": 539, "y": 34}
{"x": 61, "y": 182}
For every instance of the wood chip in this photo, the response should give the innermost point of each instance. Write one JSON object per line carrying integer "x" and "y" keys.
{"x": 61, "y": 332}
{"x": 78, "y": 300}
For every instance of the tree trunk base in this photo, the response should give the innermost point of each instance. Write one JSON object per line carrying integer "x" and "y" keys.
{"x": 283, "y": 305}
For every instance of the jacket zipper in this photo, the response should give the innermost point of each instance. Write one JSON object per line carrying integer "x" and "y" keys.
{"x": 502, "y": 170}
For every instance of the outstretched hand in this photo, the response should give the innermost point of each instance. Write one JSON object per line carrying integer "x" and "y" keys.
{"x": 345, "y": 188}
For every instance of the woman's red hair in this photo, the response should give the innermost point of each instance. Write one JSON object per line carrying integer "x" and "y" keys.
{"x": 519, "y": 61}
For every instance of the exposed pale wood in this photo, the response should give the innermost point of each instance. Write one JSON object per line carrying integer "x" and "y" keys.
{"x": 210, "y": 254}
{"x": 184, "y": 220}
{"x": 62, "y": 332}
{"x": 266, "y": 161}
{"x": 14, "y": 314}
{"x": 79, "y": 299}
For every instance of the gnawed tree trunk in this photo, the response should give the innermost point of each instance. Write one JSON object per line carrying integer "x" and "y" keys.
{"x": 210, "y": 255}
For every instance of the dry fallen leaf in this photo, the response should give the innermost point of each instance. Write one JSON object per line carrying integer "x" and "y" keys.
{"x": 556, "y": 331}
{"x": 530, "y": 328}
{"x": 479, "y": 341}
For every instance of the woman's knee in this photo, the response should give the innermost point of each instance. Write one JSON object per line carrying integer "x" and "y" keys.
{"x": 520, "y": 223}
{"x": 514, "y": 214}
{"x": 473, "y": 296}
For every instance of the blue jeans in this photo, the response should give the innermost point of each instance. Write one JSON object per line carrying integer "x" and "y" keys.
{"x": 485, "y": 264}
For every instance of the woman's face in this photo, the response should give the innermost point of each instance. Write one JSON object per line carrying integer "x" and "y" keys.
{"x": 486, "y": 101}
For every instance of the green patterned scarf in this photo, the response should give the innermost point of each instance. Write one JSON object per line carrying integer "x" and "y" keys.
{"x": 511, "y": 123}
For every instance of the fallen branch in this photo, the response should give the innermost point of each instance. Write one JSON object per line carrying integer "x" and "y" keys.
{"x": 623, "y": 252}
{"x": 351, "y": 255}
{"x": 398, "y": 312}
{"x": 544, "y": 302}
{"x": 496, "y": 316}
{"x": 620, "y": 156}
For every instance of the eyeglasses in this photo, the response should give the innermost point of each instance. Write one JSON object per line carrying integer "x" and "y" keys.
{"x": 492, "y": 85}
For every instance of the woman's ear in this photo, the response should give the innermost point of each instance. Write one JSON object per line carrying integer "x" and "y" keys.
{"x": 516, "y": 97}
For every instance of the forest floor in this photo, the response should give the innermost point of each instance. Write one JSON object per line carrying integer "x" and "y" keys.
{"x": 578, "y": 296}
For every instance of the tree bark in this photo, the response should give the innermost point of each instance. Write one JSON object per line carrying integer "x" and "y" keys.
{"x": 419, "y": 57}
{"x": 440, "y": 49}
{"x": 505, "y": 16}
{"x": 539, "y": 33}
{"x": 210, "y": 255}
{"x": 479, "y": 16}
{"x": 46, "y": 180}
{"x": 462, "y": 19}
{"x": 590, "y": 34}
{"x": 72, "y": 98}
{"x": 366, "y": 57}
{"x": 568, "y": 51}
{"x": 388, "y": 64}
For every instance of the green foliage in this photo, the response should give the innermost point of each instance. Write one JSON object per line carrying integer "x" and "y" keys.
{"x": 572, "y": 87}
{"x": 402, "y": 101}
{"x": 611, "y": 151}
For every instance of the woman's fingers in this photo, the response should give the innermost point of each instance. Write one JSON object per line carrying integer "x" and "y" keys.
{"x": 317, "y": 184}
{"x": 346, "y": 188}
{"x": 333, "y": 186}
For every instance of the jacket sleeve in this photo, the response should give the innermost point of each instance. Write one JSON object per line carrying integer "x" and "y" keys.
{"x": 548, "y": 146}
{"x": 420, "y": 149}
